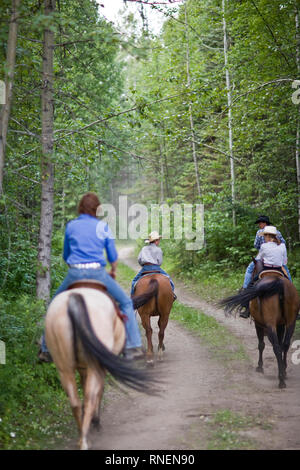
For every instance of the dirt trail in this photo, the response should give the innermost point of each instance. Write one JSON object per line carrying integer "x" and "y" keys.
{"x": 196, "y": 386}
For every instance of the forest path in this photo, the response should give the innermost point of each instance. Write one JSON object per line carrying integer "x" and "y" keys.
{"x": 196, "y": 386}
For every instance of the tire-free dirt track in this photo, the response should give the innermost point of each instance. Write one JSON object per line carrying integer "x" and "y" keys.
{"x": 196, "y": 386}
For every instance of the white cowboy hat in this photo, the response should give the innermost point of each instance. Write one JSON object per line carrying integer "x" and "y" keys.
{"x": 270, "y": 229}
{"x": 153, "y": 236}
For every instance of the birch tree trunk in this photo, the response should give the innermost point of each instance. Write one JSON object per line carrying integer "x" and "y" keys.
{"x": 298, "y": 118}
{"x": 190, "y": 105}
{"x": 46, "y": 221}
{"x": 229, "y": 103}
{"x": 10, "y": 69}
{"x": 162, "y": 176}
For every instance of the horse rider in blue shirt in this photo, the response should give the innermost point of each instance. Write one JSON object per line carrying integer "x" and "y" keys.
{"x": 262, "y": 222}
{"x": 86, "y": 240}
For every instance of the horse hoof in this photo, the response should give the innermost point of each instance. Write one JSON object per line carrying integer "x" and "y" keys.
{"x": 260, "y": 369}
{"x": 150, "y": 362}
{"x": 282, "y": 385}
{"x": 96, "y": 424}
{"x": 83, "y": 445}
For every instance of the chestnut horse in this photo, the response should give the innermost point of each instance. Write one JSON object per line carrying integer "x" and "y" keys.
{"x": 153, "y": 296}
{"x": 274, "y": 305}
{"x": 84, "y": 333}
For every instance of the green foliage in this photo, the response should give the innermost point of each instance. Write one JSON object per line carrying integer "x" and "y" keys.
{"x": 26, "y": 386}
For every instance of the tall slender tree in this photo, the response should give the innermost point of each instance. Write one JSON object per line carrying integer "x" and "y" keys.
{"x": 298, "y": 114}
{"x": 9, "y": 79}
{"x": 191, "y": 117}
{"x": 229, "y": 104}
{"x": 47, "y": 174}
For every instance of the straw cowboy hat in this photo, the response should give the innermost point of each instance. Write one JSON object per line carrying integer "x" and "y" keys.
{"x": 270, "y": 230}
{"x": 153, "y": 236}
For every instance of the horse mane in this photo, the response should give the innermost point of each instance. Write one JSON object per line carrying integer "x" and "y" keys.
{"x": 140, "y": 300}
{"x": 261, "y": 289}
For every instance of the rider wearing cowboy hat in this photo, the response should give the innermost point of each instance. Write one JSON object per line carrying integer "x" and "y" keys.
{"x": 272, "y": 252}
{"x": 263, "y": 221}
{"x": 150, "y": 258}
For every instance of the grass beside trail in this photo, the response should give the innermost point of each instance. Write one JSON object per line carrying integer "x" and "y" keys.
{"x": 34, "y": 410}
{"x": 233, "y": 431}
{"x": 221, "y": 342}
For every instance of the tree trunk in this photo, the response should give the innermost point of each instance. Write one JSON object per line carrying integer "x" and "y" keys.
{"x": 190, "y": 105}
{"x": 229, "y": 102}
{"x": 10, "y": 69}
{"x": 162, "y": 176}
{"x": 298, "y": 117}
{"x": 46, "y": 222}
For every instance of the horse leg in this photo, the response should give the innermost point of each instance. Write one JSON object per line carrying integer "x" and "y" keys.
{"x": 272, "y": 335}
{"x": 280, "y": 335}
{"x": 261, "y": 347}
{"x": 162, "y": 323}
{"x": 286, "y": 343}
{"x": 146, "y": 322}
{"x": 93, "y": 389}
{"x": 68, "y": 382}
{"x": 96, "y": 417}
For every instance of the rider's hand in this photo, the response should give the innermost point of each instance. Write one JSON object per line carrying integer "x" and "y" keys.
{"x": 112, "y": 273}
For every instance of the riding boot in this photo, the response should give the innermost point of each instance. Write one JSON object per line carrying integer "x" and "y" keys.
{"x": 44, "y": 356}
{"x": 131, "y": 354}
{"x": 174, "y": 296}
{"x": 246, "y": 312}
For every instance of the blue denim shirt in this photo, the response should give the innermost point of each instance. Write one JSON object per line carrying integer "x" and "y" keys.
{"x": 259, "y": 239}
{"x": 86, "y": 239}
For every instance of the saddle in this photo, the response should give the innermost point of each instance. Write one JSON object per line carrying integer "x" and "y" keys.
{"x": 94, "y": 284}
{"x": 91, "y": 283}
{"x": 156, "y": 271}
{"x": 267, "y": 271}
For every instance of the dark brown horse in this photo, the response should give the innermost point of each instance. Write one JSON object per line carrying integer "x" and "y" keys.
{"x": 274, "y": 305}
{"x": 154, "y": 297}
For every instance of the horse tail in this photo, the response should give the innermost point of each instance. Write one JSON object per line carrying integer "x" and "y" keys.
{"x": 261, "y": 290}
{"x": 142, "y": 299}
{"x": 96, "y": 352}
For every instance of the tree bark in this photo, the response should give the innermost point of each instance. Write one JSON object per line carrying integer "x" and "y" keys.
{"x": 190, "y": 105}
{"x": 10, "y": 69}
{"x": 47, "y": 174}
{"x": 229, "y": 103}
{"x": 298, "y": 114}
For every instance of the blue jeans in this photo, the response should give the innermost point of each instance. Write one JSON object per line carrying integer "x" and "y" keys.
{"x": 150, "y": 267}
{"x": 250, "y": 269}
{"x": 133, "y": 337}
